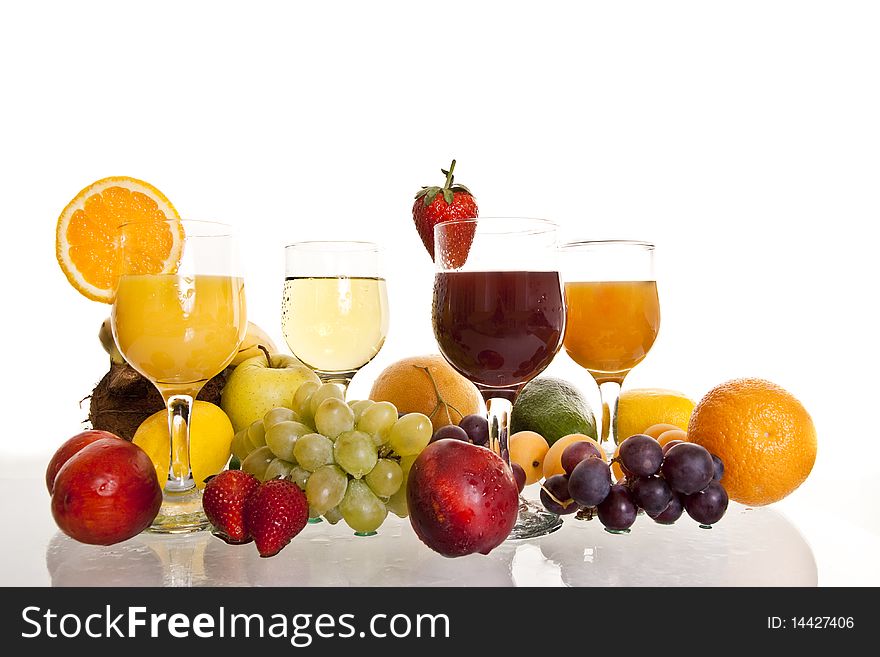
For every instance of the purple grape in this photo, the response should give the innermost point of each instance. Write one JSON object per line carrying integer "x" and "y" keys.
{"x": 589, "y": 482}
{"x": 652, "y": 494}
{"x": 719, "y": 468}
{"x": 477, "y": 429}
{"x": 519, "y": 475}
{"x": 618, "y": 511}
{"x": 577, "y": 452}
{"x": 450, "y": 431}
{"x": 671, "y": 513}
{"x": 688, "y": 468}
{"x": 641, "y": 455}
{"x": 670, "y": 445}
{"x": 709, "y": 505}
{"x": 557, "y": 485}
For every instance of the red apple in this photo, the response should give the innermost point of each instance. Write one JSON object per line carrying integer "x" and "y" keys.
{"x": 462, "y": 498}
{"x": 68, "y": 449}
{"x": 106, "y": 493}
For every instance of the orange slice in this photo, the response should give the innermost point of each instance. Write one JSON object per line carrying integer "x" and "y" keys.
{"x": 87, "y": 235}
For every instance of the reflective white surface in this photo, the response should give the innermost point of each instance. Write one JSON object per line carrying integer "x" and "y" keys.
{"x": 748, "y": 547}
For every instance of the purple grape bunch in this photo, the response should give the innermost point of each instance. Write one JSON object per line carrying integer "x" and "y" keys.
{"x": 664, "y": 483}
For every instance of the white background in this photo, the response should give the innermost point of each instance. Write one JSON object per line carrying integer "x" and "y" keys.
{"x": 743, "y": 138}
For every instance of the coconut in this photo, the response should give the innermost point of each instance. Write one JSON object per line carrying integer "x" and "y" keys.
{"x": 124, "y": 398}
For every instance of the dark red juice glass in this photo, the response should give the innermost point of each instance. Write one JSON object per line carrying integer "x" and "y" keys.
{"x": 498, "y": 328}
{"x": 499, "y": 319}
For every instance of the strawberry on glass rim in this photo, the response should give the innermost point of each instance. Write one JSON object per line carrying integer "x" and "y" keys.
{"x": 435, "y": 205}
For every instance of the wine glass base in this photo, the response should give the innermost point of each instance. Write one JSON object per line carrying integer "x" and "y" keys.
{"x": 180, "y": 513}
{"x": 533, "y": 521}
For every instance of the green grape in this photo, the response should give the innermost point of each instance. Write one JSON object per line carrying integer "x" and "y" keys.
{"x": 385, "y": 479}
{"x": 277, "y": 468}
{"x": 326, "y": 488}
{"x": 301, "y": 400}
{"x": 300, "y": 476}
{"x": 359, "y": 407}
{"x": 405, "y": 465}
{"x": 257, "y": 434}
{"x": 241, "y": 446}
{"x": 377, "y": 421}
{"x": 333, "y": 417}
{"x": 361, "y": 509}
{"x": 282, "y": 437}
{"x": 313, "y": 450}
{"x": 257, "y": 462}
{"x": 326, "y": 391}
{"x": 276, "y": 415}
{"x": 411, "y": 434}
{"x": 355, "y": 452}
{"x": 397, "y": 503}
{"x": 333, "y": 515}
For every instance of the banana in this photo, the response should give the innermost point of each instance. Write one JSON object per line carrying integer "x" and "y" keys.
{"x": 254, "y": 336}
{"x": 105, "y": 335}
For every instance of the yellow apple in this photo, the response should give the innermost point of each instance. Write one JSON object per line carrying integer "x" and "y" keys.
{"x": 258, "y": 385}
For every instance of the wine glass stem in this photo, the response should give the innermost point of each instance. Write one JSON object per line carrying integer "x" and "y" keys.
{"x": 609, "y": 392}
{"x": 340, "y": 378}
{"x": 498, "y": 411}
{"x": 180, "y": 477}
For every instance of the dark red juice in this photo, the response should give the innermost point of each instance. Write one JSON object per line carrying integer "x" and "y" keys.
{"x": 498, "y": 328}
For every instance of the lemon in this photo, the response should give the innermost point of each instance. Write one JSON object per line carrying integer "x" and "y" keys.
{"x": 210, "y": 441}
{"x": 641, "y": 408}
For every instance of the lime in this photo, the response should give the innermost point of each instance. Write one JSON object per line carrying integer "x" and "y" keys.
{"x": 553, "y": 408}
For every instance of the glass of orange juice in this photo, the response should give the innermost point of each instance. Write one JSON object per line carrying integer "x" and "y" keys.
{"x": 612, "y": 315}
{"x": 179, "y": 324}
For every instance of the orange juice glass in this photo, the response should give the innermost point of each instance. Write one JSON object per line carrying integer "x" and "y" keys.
{"x": 612, "y": 314}
{"x": 611, "y": 325}
{"x": 179, "y": 326}
{"x": 177, "y": 345}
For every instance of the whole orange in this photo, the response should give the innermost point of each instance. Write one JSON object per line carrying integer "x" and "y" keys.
{"x": 764, "y": 436}
{"x": 427, "y": 385}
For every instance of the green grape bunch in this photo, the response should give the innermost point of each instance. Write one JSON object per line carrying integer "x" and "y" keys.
{"x": 351, "y": 459}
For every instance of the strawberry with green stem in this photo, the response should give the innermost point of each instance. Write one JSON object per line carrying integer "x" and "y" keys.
{"x": 434, "y": 205}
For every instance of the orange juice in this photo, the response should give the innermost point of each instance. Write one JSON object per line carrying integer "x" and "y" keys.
{"x": 179, "y": 331}
{"x": 610, "y": 326}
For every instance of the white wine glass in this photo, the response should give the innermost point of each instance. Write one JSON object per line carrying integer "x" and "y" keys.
{"x": 334, "y": 312}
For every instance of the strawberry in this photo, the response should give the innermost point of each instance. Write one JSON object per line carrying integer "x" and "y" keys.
{"x": 437, "y": 204}
{"x": 275, "y": 513}
{"x": 223, "y": 502}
